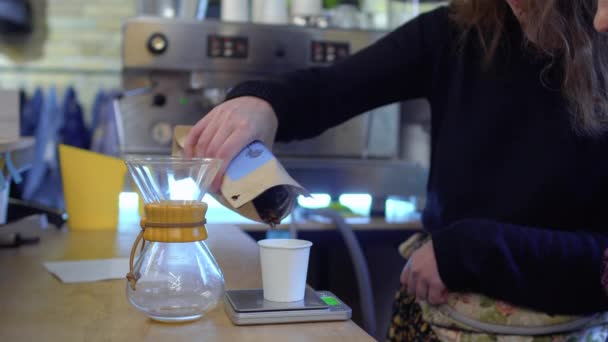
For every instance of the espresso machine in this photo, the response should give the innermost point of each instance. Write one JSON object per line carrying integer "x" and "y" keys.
{"x": 177, "y": 70}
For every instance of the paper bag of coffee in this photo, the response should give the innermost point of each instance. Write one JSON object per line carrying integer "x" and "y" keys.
{"x": 255, "y": 184}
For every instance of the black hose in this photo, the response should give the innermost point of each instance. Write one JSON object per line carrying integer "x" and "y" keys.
{"x": 366, "y": 295}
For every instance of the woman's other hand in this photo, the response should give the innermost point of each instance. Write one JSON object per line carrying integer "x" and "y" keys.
{"x": 601, "y": 16}
{"x": 421, "y": 276}
{"x": 228, "y": 128}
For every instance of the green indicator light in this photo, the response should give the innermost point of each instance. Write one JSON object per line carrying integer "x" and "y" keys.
{"x": 331, "y": 301}
{"x": 183, "y": 101}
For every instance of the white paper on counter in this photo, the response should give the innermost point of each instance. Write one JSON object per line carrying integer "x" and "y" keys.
{"x": 85, "y": 271}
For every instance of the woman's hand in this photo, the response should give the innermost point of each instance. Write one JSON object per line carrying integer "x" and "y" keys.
{"x": 421, "y": 276}
{"x": 601, "y": 16}
{"x": 228, "y": 128}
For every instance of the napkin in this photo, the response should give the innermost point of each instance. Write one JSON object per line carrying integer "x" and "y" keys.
{"x": 85, "y": 271}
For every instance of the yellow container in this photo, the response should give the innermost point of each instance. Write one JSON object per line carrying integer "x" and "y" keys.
{"x": 92, "y": 183}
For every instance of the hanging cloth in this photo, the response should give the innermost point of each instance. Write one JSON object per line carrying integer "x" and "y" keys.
{"x": 100, "y": 97}
{"x": 43, "y": 184}
{"x": 31, "y": 114}
{"x": 105, "y": 132}
{"x": 74, "y": 131}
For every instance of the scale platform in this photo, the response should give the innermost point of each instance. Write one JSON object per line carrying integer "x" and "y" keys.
{"x": 247, "y": 307}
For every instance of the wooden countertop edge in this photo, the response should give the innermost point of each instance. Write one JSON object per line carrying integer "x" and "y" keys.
{"x": 321, "y": 226}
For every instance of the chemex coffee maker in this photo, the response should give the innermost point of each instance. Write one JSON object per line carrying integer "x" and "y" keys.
{"x": 175, "y": 278}
{"x": 177, "y": 70}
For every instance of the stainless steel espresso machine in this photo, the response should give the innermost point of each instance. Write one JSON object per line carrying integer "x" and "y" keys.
{"x": 176, "y": 70}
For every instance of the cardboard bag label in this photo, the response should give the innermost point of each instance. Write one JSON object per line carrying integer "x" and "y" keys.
{"x": 250, "y": 159}
{"x": 255, "y": 184}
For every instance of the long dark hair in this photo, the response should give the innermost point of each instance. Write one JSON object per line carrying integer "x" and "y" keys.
{"x": 562, "y": 30}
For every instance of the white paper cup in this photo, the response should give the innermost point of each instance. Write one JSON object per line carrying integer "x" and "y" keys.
{"x": 284, "y": 267}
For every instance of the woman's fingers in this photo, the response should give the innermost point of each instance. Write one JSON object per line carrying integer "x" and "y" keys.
{"x": 213, "y": 127}
{"x": 195, "y": 134}
{"x": 228, "y": 128}
{"x": 444, "y": 295}
{"x": 412, "y": 280}
{"x": 409, "y": 278}
{"x": 601, "y": 16}
{"x": 218, "y": 139}
{"x": 437, "y": 295}
{"x": 405, "y": 274}
{"x": 229, "y": 149}
{"x": 422, "y": 290}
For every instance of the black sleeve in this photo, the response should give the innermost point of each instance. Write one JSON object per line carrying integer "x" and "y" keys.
{"x": 547, "y": 270}
{"x": 395, "y": 68}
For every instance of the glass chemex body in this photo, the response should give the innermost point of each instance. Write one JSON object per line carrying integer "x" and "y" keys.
{"x": 175, "y": 277}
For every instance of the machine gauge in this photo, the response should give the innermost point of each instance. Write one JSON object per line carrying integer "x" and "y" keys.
{"x": 157, "y": 43}
{"x": 162, "y": 133}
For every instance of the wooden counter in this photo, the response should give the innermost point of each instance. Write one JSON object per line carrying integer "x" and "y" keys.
{"x": 38, "y": 307}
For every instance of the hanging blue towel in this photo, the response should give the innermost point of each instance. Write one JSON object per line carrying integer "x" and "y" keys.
{"x": 31, "y": 114}
{"x": 74, "y": 131}
{"x": 28, "y": 118}
{"x": 98, "y": 103}
{"x": 105, "y": 132}
{"x": 43, "y": 184}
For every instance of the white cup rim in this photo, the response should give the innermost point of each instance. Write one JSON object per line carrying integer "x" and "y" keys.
{"x": 284, "y": 244}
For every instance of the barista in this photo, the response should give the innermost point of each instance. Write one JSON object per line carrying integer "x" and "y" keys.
{"x": 518, "y": 184}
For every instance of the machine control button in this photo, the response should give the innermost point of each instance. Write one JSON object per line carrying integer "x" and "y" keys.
{"x": 227, "y": 47}
{"x": 326, "y": 52}
{"x": 158, "y": 43}
{"x": 162, "y": 133}
{"x": 159, "y": 100}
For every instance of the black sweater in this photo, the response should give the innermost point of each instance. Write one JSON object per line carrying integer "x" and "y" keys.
{"x": 516, "y": 199}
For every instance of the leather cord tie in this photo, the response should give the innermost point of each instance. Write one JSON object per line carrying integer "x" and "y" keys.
{"x": 146, "y": 224}
{"x": 132, "y": 278}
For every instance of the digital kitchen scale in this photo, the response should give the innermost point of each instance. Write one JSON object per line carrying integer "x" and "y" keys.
{"x": 246, "y": 307}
